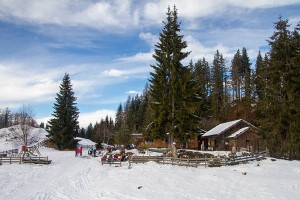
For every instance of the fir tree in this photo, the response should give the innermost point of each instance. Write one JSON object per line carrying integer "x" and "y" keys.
{"x": 260, "y": 77}
{"x": 64, "y": 125}
{"x": 247, "y": 83}
{"x": 123, "y": 136}
{"x": 202, "y": 75}
{"x": 89, "y": 131}
{"x": 119, "y": 117}
{"x": 172, "y": 84}
{"x": 281, "y": 103}
{"x": 217, "y": 91}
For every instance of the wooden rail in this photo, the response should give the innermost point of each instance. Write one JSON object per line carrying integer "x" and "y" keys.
{"x": 20, "y": 160}
{"x": 168, "y": 160}
{"x": 195, "y": 162}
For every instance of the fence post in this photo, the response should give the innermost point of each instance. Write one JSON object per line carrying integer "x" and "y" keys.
{"x": 205, "y": 161}
{"x": 129, "y": 163}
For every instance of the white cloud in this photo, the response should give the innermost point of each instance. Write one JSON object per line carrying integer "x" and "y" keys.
{"x": 133, "y": 92}
{"x": 113, "y": 73}
{"x": 92, "y": 117}
{"x": 262, "y": 3}
{"x": 97, "y": 15}
{"x": 149, "y": 38}
{"x": 24, "y": 86}
{"x": 119, "y": 15}
{"x": 139, "y": 57}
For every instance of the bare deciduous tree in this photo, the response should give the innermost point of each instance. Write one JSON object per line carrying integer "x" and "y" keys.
{"x": 24, "y": 123}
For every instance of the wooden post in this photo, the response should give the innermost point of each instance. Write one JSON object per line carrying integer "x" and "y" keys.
{"x": 205, "y": 161}
{"x": 129, "y": 162}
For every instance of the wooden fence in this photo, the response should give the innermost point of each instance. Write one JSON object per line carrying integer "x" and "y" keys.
{"x": 195, "y": 162}
{"x": 20, "y": 160}
{"x": 188, "y": 162}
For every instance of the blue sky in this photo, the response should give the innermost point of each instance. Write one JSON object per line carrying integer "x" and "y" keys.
{"x": 106, "y": 46}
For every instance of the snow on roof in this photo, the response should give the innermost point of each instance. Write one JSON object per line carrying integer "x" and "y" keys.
{"x": 220, "y": 128}
{"x": 239, "y": 132}
{"x": 84, "y": 141}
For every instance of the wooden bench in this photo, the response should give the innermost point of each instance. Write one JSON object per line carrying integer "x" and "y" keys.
{"x": 37, "y": 160}
{"x": 111, "y": 162}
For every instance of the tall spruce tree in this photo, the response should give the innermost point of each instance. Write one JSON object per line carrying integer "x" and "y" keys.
{"x": 247, "y": 83}
{"x": 282, "y": 106}
{"x": 260, "y": 77}
{"x": 64, "y": 125}
{"x": 202, "y": 73}
{"x": 218, "y": 106}
{"x": 172, "y": 86}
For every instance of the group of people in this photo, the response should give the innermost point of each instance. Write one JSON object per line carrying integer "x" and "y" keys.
{"x": 92, "y": 152}
{"x": 78, "y": 151}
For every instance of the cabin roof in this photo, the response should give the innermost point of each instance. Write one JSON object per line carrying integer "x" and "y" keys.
{"x": 238, "y": 133}
{"x": 221, "y": 128}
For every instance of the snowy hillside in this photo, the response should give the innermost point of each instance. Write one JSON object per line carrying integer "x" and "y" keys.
{"x": 9, "y": 141}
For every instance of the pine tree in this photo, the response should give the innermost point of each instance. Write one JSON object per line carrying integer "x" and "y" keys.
{"x": 172, "y": 84}
{"x": 218, "y": 106}
{"x": 260, "y": 77}
{"x": 281, "y": 103}
{"x": 89, "y": 131}
{"x": 64, "y": 125}
{"x": 236, "y": 78}
{"x": 119, "y": 117}
{"x": 202, "y": 75}
{"x": 123, "y": 136}
{"x": 82, "y": 133}
{"x": 247, "y": 83}
{"x": 294, "y": 94}
{"x": 247, "y": 73}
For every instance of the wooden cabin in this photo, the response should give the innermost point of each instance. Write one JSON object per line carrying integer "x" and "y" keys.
{"x": 234, "y": 136}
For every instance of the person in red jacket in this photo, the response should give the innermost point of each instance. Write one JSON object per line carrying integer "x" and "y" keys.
{"x": 80, "y": 151}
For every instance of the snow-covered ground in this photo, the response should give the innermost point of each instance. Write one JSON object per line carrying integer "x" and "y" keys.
{"x": 70, "y": 177}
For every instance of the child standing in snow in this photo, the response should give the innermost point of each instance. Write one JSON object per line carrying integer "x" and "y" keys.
{"x": 76, "y": 151}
